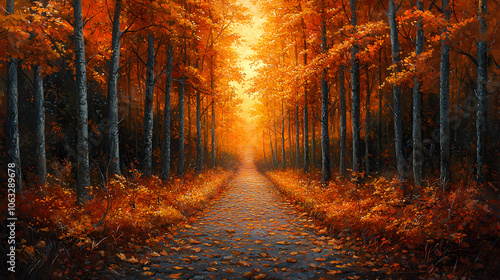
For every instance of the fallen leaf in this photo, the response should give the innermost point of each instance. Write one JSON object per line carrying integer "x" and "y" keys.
{"x": 242, "y": 263}
{"x": 211, "y": 269}
{"x": 175, "y": 275}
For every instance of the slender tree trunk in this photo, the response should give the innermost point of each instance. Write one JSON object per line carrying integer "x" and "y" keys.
{"x": 264, "y": 146}
{"x": 41, "y": 162}
{"x": 343, "y": 122}
{"x": 275, "y": 141}
{"x": 14, "y": 155}
{"x": 297, "y": 121}
{"x": 482, "y": 80}
{"x": 326, "y": 172}
{"x": 325, "y": 137}
{"x": 188, "y": 134}
{"x": 114, "y": 64}
{"x": 313, "y": 140}
{"x": 398, "y": 120}
{"x": 83, "y": 176}
{"x": 306, "y": 136}
{"x": 199, "y": 149}
{"x": 147, "y": 141}
{"x": 290, "y": 146}
{"x": 417, "y": 106}
{"x": 166, "y": 120}
{"x": 273, "y": 158}
{"x": 444, "y": 101}
{"x": 355, "y": 90}
{"x": 180, "y": 160}
{"x": 283, "y": 157}
{"x": 213, "y": 135}
{"x": 368, "y": 123}
{"x": 379, "y": 138}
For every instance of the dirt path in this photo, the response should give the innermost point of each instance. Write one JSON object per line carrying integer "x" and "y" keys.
{"x": 251, "y": 232}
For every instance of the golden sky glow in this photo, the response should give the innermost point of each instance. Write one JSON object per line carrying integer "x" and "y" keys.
{"x": 250, "y": 34}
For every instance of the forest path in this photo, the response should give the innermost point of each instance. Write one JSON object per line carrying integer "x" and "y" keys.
{"x": 251, "y": 233}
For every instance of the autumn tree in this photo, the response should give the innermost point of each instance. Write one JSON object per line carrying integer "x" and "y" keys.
{"x": 114, "y": 64}
{"x": 14, "y": 155}
{"x": 83, "y": 178}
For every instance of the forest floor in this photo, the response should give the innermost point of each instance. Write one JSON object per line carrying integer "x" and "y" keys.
{"x": 251, "y": 232}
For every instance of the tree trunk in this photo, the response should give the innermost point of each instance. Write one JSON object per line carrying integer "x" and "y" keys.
{"x": 83, "y": 176}
{"x": 188, "y": 137}
{"x": 398, "y": 120}
{"x": 417, "y": 106}
{"x": 180, "y": 159}
{"x": 199, "y": 149}
{"x": 379, "y": 138}
{"x": 290, "y": 146}
{"x": 41, "y": 162}
{"x": 297, "y": 136}
{"x": 313, "y": 140}
{"x": 355, "y": 90}
{"x": 368, "y": 123}
{"x": 147, "y": 140}
{"x": 114, "y": 64}
{"x": 275, "y": 141}
{"x": 444, "y": 101}
{"x": 273, "y": 158}
{"x": 325, "y": 137}
{"x": 482, "y": 80}
{"x": 283, "y": 157}
{"x": 214, "y": 162}
{"x": 166, "y": 121}
{"x": 14, "y": 155}
{"x": 343, "y": 122}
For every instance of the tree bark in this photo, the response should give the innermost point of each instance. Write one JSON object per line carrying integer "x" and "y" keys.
{"x": 283, "y": 157}
{"x": 326, "y": 173}
{"x": 417, "y": 106}
{"x": 275, "y": 140}
{"x": 13, "y": 153}
{"x": 83, "y": 175}
{"x": 444, "y": 101}
{"x": 113, "y": 140}
{"x": 306, "y": 136}
{"x": 199, "y": 149}
{"x": 368, "y": 123}
{"x": 482, "y": 80}
{"x": 396, "y": 90}
{"x": 290, "y": 146}
{"x": 297, "y": 136}
{"x": 355, "y": 90}
{"x": 313, "y": 139}
{"x": 180, "y": 160}
{"x": 147, "y": 140}
{"x": 379, "y": 138}
{"x": 41, "y": 161}
{"x": 166, "y": 120}
{"x": 214, "y": 159}
{"x": 343, "y": 122}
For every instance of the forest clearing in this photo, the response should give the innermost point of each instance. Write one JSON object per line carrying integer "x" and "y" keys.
{"x": 250, "y": 139}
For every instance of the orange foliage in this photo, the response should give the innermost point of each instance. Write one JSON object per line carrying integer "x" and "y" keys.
{"x": 378, "y": 213}
{"x": 141, "y": 209}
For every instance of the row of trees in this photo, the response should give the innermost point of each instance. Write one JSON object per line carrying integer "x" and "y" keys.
{"x": 62, "y": 57}
{"x": 438, "y": 58}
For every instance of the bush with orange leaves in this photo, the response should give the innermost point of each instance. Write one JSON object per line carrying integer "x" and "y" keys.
{"x": 122, "y": 210}
{"x": 435, "y": 224}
